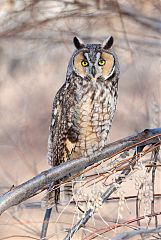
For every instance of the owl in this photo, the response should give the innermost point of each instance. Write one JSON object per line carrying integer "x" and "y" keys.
{"x": 84, "y": 107}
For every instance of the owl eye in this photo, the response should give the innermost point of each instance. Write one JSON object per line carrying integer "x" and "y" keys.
{"x": 101, "y": 62}
{"x": 85, "y": 63}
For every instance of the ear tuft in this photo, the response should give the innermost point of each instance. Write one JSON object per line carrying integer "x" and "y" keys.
{"x": 78, "y": 43}
{"x": 108, "y": 43}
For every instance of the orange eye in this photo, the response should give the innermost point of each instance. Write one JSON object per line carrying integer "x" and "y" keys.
{"x": 101, "y": 62}
{"x": 85, "y": 63}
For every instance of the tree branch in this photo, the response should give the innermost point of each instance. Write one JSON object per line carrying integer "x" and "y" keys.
{"x": 114, "y": 186}
{"x": 41, "y": 182}
{"x": 131, "y": 234}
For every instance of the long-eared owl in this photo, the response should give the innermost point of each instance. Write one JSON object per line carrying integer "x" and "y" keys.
{"x": 84, "y": 106}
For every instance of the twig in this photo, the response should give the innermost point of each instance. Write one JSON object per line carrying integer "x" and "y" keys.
{"x": 155, "y": 156}
{"x": 45, "y": 224}
{"x": 118, "y": 225}
{"x": 19, "y": 236}
{"x": 42, "y": 181}
{"x": 114, "y": 186}
{"x": 131, "y": 234}
{"x": 137, "y": 208}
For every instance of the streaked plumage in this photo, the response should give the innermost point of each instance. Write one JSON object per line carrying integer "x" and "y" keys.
{"x": 84, "y": 106}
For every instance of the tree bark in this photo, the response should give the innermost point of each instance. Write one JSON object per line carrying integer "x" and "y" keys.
{"x": 41, "y": 182}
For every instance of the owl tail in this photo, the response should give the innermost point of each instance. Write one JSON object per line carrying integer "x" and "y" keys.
{"x": 52, "y": 197}
{"x": 68, "y": 192}
{"x": 55, "y": 195}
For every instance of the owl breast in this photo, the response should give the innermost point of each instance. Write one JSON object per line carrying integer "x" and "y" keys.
{"x": 95, "y": 107}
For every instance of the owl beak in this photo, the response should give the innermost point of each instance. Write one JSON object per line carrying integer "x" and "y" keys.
{"x": 93, "y": 71}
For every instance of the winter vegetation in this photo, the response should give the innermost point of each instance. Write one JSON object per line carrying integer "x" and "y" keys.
{"x": 118, "y": 196}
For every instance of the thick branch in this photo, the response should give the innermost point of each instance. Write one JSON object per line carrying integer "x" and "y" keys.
{"x": 42, "y": 180}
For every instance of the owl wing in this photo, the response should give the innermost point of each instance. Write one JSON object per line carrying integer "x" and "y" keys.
{"x": 62, "y": 137}
{"x": 63, "y": 133}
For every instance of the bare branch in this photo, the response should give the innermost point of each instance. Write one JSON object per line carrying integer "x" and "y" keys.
{"x": 114, "y": 186}
{"x": 119, "y": 225}
{"x": 42, "y": 180}
{"x": 131, "y": 234}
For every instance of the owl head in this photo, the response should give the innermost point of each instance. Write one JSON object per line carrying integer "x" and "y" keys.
{"x": 94, "y": 61}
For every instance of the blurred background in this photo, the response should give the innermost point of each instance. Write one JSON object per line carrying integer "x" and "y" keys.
{"x": 35, "y": 47}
